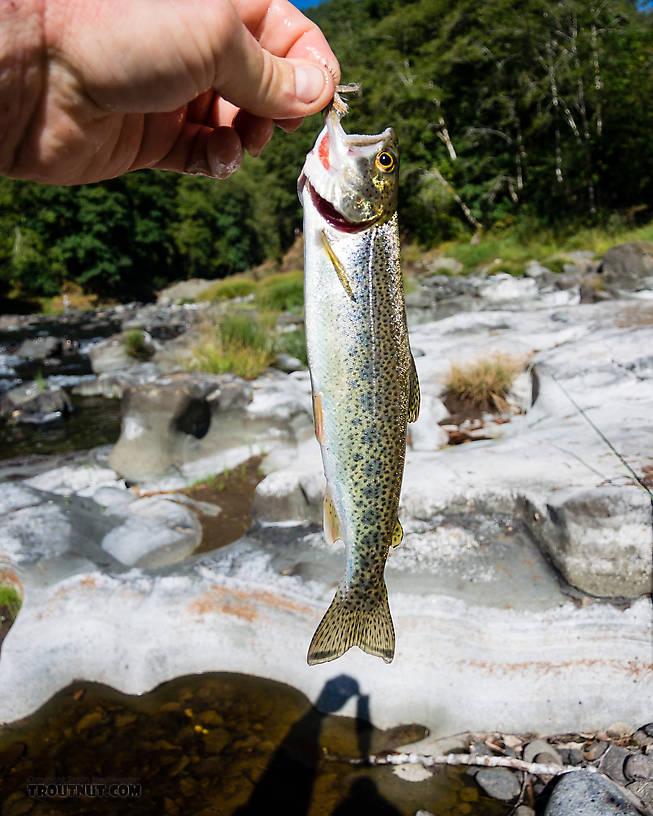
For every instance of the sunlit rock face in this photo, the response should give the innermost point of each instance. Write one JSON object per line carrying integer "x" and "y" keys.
{"x": 195, "y": 424}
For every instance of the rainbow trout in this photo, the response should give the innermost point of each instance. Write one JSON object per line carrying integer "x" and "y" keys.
{"x": 363, "y": 376}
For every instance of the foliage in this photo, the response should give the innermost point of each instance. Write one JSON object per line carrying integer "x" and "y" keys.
{"x": 483, "y": 384}
{"x": 507, "y": 112}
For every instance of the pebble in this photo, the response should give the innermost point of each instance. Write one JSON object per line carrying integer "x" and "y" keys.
{"x": 579, "y": 793}
{"x": 541, "y": 751}
{"x": 612, "y": 763}
{"x": 498, "y": 783}
{"x": 644, "y": 735}
{"x": 638, "y": 766}
{"x": 524, "y": 810}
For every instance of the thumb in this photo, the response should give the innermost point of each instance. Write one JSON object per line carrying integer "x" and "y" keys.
{"x": 274, "y": 87}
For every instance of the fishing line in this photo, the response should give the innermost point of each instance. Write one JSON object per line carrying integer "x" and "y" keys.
{"x": 596, "y": 428}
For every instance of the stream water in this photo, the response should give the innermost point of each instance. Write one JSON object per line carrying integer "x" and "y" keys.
{"x": 216, "y": 744}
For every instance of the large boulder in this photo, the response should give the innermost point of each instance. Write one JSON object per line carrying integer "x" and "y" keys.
{"x": 628, "y": 267}
{"x": 167, "y": 422}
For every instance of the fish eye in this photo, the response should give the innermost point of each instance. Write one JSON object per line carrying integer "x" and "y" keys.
{"x": 385, "y": 161}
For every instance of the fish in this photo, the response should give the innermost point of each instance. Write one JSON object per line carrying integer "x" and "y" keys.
{"x": 363, "y": 378}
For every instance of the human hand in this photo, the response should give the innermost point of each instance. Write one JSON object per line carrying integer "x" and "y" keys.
{"x": 109, "y": 86}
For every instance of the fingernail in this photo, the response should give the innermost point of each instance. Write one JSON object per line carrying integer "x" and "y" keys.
{"x": 309, "y": 82}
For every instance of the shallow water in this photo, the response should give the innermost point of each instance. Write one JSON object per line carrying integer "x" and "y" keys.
{"x": 95, "y": 421}
{"x": 218, "y": 744}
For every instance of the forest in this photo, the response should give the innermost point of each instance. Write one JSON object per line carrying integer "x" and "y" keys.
{"x": 531, "y": 111}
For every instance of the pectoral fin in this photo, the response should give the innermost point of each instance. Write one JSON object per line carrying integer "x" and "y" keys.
{"x": 340, "y": 269}
{"x": 330, "y": 519}
{"x": 413, "y": 392}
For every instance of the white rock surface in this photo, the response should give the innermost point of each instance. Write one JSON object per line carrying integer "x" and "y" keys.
{"x": 489, "y": 637}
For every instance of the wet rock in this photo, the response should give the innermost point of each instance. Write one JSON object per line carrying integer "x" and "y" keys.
{"x": 601, "y": 539}
{"x": 524, "y": 810}
{"x": 39, "y": 348}
{"x": 580, "y": 793}
{"x": 499, "y": 783}
{"x": 628, "y": 267}
{"x": 32, "y": 403}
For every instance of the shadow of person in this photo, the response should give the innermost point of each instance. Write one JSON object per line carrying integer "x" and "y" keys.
{"x": 364, "y": 798}
{"x": 286, "y": 785}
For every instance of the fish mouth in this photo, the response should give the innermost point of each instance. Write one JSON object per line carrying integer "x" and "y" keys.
{"x": 333, "y": 217}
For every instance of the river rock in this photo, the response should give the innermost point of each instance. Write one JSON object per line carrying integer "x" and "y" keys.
{"x": 502, "y": 287}
{"x": 628, "y": 267}
{"x": 155, "y": 532}
{"x": 190, "y": 288}
{"x": 499, "y": 783}
{"x": 199, "y": 424}
{"x": 112, "y": 385}
{"x": 580, "y": 793}
{"x": 38, "y": 348}
{"x": 110, "y": 355}
{"x": 33, "y": 403}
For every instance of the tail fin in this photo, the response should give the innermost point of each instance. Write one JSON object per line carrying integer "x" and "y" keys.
{"x": 344, "y": 625}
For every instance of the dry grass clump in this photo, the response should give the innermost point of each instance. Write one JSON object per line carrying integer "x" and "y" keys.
{"x": 485, "y": 383}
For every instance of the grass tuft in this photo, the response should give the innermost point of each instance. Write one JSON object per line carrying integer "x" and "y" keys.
{"x": 240, "y": 344}
{"x": 10, "y": 600}
{"x": 233, "y": 287}
{"x": 283, "y": 292}
{"x": 485, "y": 383}
{"x": 136, "y": 344}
